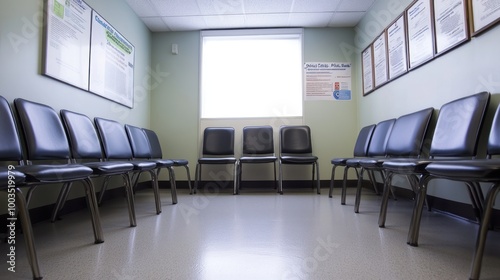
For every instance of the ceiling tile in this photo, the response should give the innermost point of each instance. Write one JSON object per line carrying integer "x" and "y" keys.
{"x": 266, "y": 20}
{"x": 142, "y": 8}
{"x": 355, "y": 5}
{"x": 155, "y": 24}
{"x": 168, "y": 8}
{"x": 185, "y": 23}
{"x": 310, "y": 19}
{"x": 221, "y": 7}
{"x": 226, "y": 21}
{"x": 305, "y": 6}
{"x": 267, "y": 7}
{"x": 346, "y": 19}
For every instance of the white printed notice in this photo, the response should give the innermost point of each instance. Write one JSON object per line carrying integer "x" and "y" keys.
{"x": 111, "y": 63}
{"x": 327, "y": 80}
{"x": 67, "y": 41}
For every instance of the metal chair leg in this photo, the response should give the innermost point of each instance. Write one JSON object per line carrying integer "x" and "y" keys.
{"x": 61, "y": 199}
{"x": 385, "y": 200}
{"x": 280, "y": 185}
{"x": 417, "y": 211}
{"x": 332, "y": 180}
{"x": 189, "y": 179}
{"x": 358, "y": 191}
{"x": 130, "y": 200}
{"x": 318, "y": 183}
{"x": 28, "y": 234}
{"x": 344, "y": 186}
{"x": 94, "y": 210}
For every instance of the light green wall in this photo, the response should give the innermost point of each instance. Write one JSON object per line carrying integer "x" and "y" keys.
{"x": 472, "y": 67}
{"x": 20, "y": 57}
{"x": 175, "y": 102}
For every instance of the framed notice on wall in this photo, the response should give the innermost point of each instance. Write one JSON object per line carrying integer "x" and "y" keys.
{"x": 111, "y": 63}
{"x": 67, "y": 41}
{"x": 367, "y": 68}
{"x": 420, "y": 33}
{"x": 484, "y": 13}
{"x": 396, "y": 48}
{"x": 450, "y": 22}
{"x": 380, "y": 60}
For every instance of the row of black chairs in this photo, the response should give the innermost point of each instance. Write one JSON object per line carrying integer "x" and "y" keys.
{"x": 87, "y": 150}
{"x": 295, "y": 147}
{"x": 396, "y": 147}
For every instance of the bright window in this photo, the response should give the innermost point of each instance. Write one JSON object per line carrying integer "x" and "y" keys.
{"x": 251, "y": 73}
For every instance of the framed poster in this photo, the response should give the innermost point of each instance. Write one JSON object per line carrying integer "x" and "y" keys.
{"x": 380, "y": 60}
{"x": 420, "y": 33}
{"x": 67, "y": 41}
{"x": 396, "y": 48}
{"x": 450, "y": 23}
{"x": 367, "y": 69}
{"x": 484, "y": 13}
{"x": 111, "y": 63}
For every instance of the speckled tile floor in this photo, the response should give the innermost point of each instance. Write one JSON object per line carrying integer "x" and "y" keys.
{"x": 255, "y": 235}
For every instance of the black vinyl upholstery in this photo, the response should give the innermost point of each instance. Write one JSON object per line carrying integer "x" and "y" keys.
{"x": 360, "y": 150}
{"x": 296, "y": 148}
{"x": 217, "y": 148}
{"x": 141, "y": 149}
{"x": 406, "y": 140}
{"x": 156, "y": 153}
{"x": 472, "y": 172}
{"x": 116, "y": 146}
{"x": 376, "y": 149}
{"x": 86, "y": 148}
{"x": 258, "y": 147}
{"x": 455, "y": 136}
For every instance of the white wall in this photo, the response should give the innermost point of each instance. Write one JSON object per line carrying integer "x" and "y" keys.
{"x": 21, "y": 53}
{"x": 468, "y": 69}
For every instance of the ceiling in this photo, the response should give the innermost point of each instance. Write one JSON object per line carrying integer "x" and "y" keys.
{"x": 185, "y": 15}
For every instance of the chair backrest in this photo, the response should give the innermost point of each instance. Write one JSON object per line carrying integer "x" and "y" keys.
{"x": 138, "y": 142}
{"x": 295, "y": 139}
{"x": 380, "y": 137}
{"x": 494, "y": 137}
{"x": 258, "y": 140}
{"x": 458, "y": 126}
{"x": 154, "y": 143}
{"x": 10, "y": 144}
{"x": 363, "y": 141}
{"x": 114, "y": 139}
{"x": 408, "y": 134}
{"x": 218, "y": 141}
{"x": 83, "y": 138}
{"x": 43, "y": 131}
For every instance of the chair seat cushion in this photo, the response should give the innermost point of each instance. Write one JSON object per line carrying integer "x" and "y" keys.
{"x": 143, "y": 165}
{"x": 55, "y": 172}
{"x": 110, "y": 167}
{"x": 221, "y": 160}
{"x": 16, "y": 176}
{"x": 258, "y": 159}
{"x": 298, "y": 159}
{"x": 163, "y": 162}
{"x": 406, "y": 166}
{"x": 353, "y": 162}
{"x": 372, "y": 163}
{"x": 480, "y": 169}
{"x": 180, "y": 162}
{"x": 339, "y": 161}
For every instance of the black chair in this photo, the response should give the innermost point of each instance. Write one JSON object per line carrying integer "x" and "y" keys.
{"x": 116, "y": 146}
{"x": 472, "y": 172}
{"x": 10, "y": 181}
{"x": 258, "y": 147}
{"x": 141, "y": 150}
{"x": 406, "y": 141}
{"x": 156, "y": 153}
{"x": 360, "y": 150}
{"x": 46, "y": 140}
{"x": 296, "y": 148}
{"x": 86, "y": 149}
{"x": 455, "y": 136}
{"x": 217, "y": 148}
{"x": 377, "y": 149}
